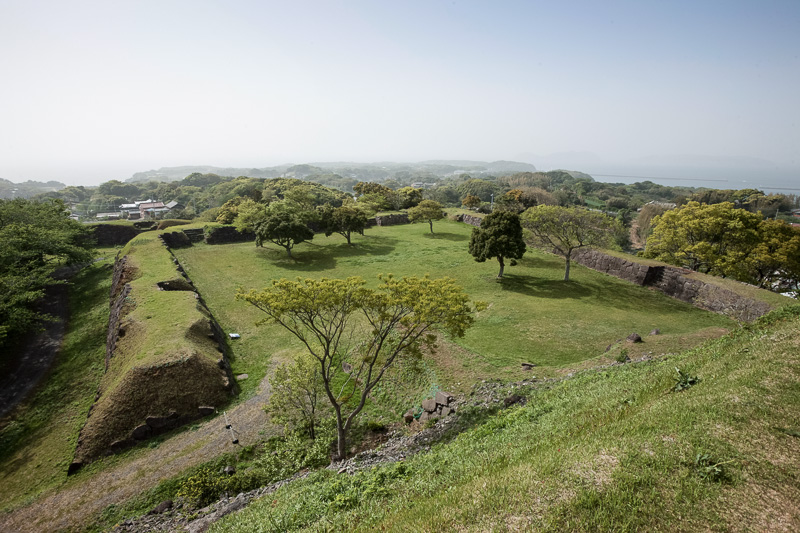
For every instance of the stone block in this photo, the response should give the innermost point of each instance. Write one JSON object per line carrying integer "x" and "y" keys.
{"x": 443, "y": 398}
{"x": 429, "y": 405}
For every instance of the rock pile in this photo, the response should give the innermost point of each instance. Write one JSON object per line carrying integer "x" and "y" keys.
{"x": 432, "y": 408}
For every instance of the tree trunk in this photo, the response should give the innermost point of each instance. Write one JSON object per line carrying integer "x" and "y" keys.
{"x": 341, "y": 443}
{"x": 289, "y": 251}
{"x": 347, "y": 236}
{"x": 502, "y": 265}
{"x": 566, "y": 271}
{"x": 431, "y": 223}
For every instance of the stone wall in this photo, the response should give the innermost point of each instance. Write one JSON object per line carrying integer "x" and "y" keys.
{"x": 391, "y": 220}
{"x": 114, "y": 234}
{"x": 673, "y": 281}
{"x": 227, "y": 234}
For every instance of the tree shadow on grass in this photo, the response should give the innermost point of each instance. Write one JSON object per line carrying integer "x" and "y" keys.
{"x": 447, "y": 236}
{"x": 545, "y": 288}
{"x": 321, "y": 257}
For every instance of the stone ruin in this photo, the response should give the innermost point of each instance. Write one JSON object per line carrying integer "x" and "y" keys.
{"x": 439, "y": 406}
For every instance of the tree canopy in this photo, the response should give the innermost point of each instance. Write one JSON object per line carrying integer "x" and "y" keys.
{"x": 282, "y": 225}
{"x": 35, "y": 237}
{"x": 708, "y": 238}
{"x": 427, "y": 210}
{"x": 565, "y": 229}
{"x": 500, "y": 236}
{"x": 355, "y": 333}
{"x": 344, "y": 220}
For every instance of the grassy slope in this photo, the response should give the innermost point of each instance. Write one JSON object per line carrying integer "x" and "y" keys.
{"x": 532, "y": 316}
{"x": 604, "y": 451}
{"x": 36, "y": 445}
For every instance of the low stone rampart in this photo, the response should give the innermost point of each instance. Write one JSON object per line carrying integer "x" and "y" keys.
{"x": 673, "y": 281}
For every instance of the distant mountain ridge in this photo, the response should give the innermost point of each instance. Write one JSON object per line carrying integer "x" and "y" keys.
{"x": 442, "y": 167}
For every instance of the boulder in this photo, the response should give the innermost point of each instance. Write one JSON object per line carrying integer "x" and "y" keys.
{"x": 408, "y": 417}
{"x": 528, "y": 366}
{"x": 429, "y": 405}
{"x": 205, "y": 410}
{"x": 634, "y": 337}
{"x": 141, "y": 432}
{"x": 162, "y": 507}
{"x": 162, "y": 422}
{"x": 513, "y": 399}
{"x": 655, "y": 332}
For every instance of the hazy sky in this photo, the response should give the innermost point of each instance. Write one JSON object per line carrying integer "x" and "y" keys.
{"x": 92, "y": 91}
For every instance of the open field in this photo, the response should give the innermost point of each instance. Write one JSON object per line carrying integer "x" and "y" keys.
{"x": 532, "y": 315}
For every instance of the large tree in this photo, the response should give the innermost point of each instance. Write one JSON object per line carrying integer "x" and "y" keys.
{"x": 344, "y": 220}
{"x": 708, "y": 238}
{"x": 500, "y": 236}
{"x": 565, "y": 229}
{"x": 355, "y": 333}
{"x": 35, "y": 238}
{"x": 282, "y": 225}
{"x": 427, "y": 211}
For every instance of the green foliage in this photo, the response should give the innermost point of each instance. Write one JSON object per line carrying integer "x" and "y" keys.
{"x": 35, "y": 237}
{"x": 428, "y": 211}
{"x": 709, "y": 469}
{"x": 500, "y": 236}
{"x": 471, "y": 201}
{"x": 707, "y": 238}
{"x": 684, "y": 380}
{"x": 283, "y": 226}
{"x": 344, "y": 220}
{"x": 353, "y": 353}
{"x": 565, "y": 229}
{"x": 297, "y": 389}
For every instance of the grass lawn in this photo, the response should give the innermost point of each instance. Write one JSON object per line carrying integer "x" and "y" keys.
{"x": 615, "y": 450}
{"x": 532, "y": 315}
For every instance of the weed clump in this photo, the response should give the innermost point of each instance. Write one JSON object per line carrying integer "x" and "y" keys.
{"x": 684, "y": 381}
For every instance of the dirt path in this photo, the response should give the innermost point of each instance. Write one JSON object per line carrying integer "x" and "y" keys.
{"x": 75, "y": 506}
{"x": 35, "y": 355}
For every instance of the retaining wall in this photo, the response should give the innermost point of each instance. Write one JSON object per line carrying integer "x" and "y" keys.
{"x": 673, "y": 281}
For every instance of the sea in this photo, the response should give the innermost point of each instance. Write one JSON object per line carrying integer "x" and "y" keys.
{"x": 770, "y": 180}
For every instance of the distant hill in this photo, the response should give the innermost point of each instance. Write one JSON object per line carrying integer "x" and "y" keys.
{"x": 363, "y": 171}
{"x": 27, "y": 189}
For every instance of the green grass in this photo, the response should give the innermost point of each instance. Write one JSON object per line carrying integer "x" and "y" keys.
{"x": 36, "y": 445}
{"x": 613, "y": 450}
{"x": 532, "y": 315}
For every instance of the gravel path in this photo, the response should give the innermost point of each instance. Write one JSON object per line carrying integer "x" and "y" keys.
{"x": 70, "y": 508}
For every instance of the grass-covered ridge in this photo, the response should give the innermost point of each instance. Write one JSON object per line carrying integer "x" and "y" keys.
{"x": 611, "y": 450}
{"x": 167, "y": 360}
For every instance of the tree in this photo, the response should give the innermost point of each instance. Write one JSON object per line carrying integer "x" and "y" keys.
{"x": 708, "y": 238}
{"x": 355, "y": 333}
{"x": 565, "y": 229}
{"x": 471, "y": 201}
{"x": 427, "y": 210}
{"x": 500, "y": 236}
{"x": 343, "y": 220}
{"x": 35, "y": 238}
{"x": 283, "y": 226}
{"x": 774, "y": 260}
{"x": 296, "y": 391}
